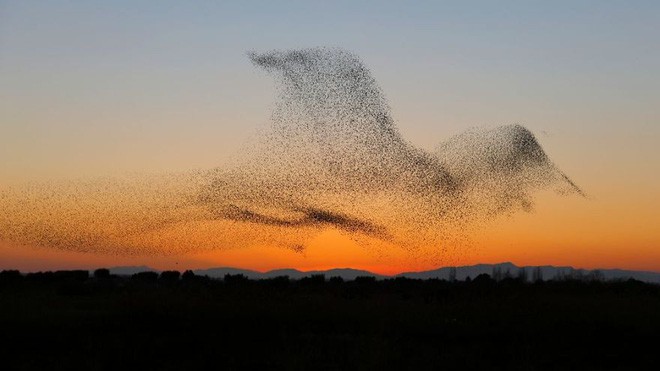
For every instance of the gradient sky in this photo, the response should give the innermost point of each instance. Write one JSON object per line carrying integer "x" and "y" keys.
{"x": 93, "y": 88}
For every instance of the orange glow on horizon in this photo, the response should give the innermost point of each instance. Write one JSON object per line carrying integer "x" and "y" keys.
{"x": 563, "y": 231}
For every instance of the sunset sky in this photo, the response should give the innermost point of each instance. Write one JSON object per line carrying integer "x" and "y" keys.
{"x": 102, "y": 89}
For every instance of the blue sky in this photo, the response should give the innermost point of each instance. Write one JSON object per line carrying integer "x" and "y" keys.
{"x": 166, "y": 85}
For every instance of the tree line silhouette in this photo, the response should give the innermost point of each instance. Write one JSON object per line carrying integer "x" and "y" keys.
{"x": 13, "y": 277}
{"x": 181, "y": 320}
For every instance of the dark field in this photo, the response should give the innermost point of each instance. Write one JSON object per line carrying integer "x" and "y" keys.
{"x": 67, "y": 320}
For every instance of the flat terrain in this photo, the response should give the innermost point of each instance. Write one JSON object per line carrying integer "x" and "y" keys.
{"x": 66, "y": 320}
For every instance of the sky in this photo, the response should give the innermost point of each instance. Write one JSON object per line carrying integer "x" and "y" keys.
{"x": 93, "y": 89}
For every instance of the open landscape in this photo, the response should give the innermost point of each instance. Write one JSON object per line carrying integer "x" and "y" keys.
{"x": 171, "y": 321}
{"x": 344, "y": 185}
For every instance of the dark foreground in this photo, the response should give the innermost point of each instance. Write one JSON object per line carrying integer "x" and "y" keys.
{"x": 67, "y": 321}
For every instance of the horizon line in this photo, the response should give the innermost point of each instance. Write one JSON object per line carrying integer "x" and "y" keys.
{"x": 149, "y": 268}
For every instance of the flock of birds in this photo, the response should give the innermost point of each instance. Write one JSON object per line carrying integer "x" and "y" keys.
{"x": 332, "y": 158}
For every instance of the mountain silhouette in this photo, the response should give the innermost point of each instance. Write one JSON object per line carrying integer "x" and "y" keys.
{"x": 547, "y": 272}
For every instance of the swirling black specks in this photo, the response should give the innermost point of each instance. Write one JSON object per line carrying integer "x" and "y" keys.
{"x": 332, "y": 158}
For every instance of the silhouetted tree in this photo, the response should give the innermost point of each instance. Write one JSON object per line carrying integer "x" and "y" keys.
{"x": 313, "y": 280}
{"x": 366, "y": 279}
{"x": 150, "y": 277}
{"x": 336, "y": 280}
{"x": 318, "y": 278}
{"x": 188, "y": 276}
{"x": 483, "y": 279}
{"x": 233, "y": 279}
{"x": 537, "y": 275}
{"x": 10, "y": 276}
{"x": 102, "y": 273}
{"x": 72, "y": 275}
{"x": 169, "y": 277}
{"x": 42, "y": 277}
{"x": 279, "y": 282}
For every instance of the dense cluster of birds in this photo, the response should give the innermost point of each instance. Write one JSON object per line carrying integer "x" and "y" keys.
{"x": 331, "y": 158}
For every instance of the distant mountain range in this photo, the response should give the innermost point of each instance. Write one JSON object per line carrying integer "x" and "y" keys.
{"x": 461, "y": 273}
{"x": 129, "y": 270}
{"x": 345, "y": 273}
